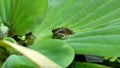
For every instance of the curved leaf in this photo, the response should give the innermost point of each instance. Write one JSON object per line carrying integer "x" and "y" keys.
{"x": 23, "y": 15}
{"x": 56, "y": 50}
{"x": 95, "y": 23}
{"x": 102, "y": 41}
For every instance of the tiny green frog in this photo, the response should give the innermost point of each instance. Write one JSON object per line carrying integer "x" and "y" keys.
{"x": 61, "y": 33}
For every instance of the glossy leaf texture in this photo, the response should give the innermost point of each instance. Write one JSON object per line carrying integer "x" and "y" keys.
{"x": 87, "y": 65}
{"x": 22, "y": 15}
{"x": 57, "y": 51}
{"x": 95, "y": 23}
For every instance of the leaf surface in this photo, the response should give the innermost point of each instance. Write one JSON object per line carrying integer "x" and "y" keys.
{"x": 55, "y": 50}
{"x": 95, "y": 23}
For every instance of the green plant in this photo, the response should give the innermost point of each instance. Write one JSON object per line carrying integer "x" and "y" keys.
{"x": 95, "y": 24}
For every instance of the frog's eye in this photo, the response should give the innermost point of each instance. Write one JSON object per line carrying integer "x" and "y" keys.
{"x": 61, "y": 31}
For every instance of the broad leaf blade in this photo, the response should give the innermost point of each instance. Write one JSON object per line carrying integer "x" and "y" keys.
{"x": 28, "y": 14}
{"x": 84, "y": 18}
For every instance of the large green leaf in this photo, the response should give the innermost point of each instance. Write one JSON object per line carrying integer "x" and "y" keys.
{"x": 22, "y": 15}
{"x": 79, "y": 15}
{"x": 95, "y": 23}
